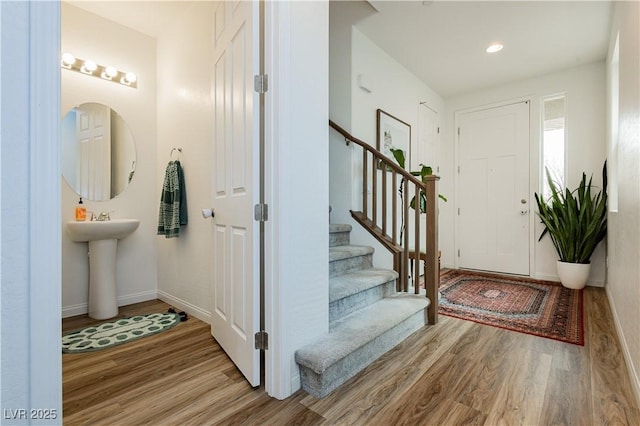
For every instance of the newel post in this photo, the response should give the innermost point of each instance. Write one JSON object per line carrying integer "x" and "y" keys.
{"x": 432, "y": 278}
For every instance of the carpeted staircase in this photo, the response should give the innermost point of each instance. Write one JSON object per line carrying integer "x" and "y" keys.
{"x": 367, "y": 317}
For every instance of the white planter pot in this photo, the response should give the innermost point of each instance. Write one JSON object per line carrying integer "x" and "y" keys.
{"x": 573, "y": 275}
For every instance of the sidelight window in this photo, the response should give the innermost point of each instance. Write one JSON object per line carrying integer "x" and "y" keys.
{"x": 553, "y": 141}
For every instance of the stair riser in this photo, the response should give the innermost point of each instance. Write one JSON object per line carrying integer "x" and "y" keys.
{"x": 347, "y": 305}
{"x": 339, "y": 239}
{"x": 321, "y": 385}
{"x": 342, "y": 266}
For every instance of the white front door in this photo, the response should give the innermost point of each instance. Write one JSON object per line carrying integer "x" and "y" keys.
{"x": 235, "y": 316}
{"x": 493, "y": 197}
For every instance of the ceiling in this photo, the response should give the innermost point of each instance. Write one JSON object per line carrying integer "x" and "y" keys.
{"x": 444, "y": 42}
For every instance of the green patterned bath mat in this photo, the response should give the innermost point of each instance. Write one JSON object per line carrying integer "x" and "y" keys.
{"x": 117, "y": 332}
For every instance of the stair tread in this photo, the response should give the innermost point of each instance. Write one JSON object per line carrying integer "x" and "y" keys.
{"x": 355, "y": 330}
{"x": 358, "y": 281}
{"x": 347, "y": 251}
{"x": 337, "y": 227}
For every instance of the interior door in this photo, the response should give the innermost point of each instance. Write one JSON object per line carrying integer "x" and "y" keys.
{"x": 93, "y": 133}
{"x": 235, "y": 316}
{"x": 493, "y": 197}
{"x": 428, "y": 132}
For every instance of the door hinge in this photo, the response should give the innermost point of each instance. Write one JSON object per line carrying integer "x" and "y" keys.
{"x": 261, "y": 212}
{"x": 458, "y": 211}
{"x": 458, "y": 131}
{"x": 261, "y": 83}
{"x": 458, "y": 169}
{"x": 438, "y": 130}
{"x": 458, "y": 252}
{"x": 262, "y": 340}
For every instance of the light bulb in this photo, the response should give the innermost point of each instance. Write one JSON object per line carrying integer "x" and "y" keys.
{"x": 111, "y": 71}
{"x": 68, "y": 60}
{"x": 131, "y": 77}
{"x": 89, "y": 66}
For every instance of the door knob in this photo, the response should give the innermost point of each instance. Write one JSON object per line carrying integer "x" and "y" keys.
{"x": 523, "y": 201}
{"x": 208, "y": 213}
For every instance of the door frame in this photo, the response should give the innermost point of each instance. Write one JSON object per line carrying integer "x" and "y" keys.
{"x": 43, "y": 379}
{"x": 39, "y": 384}
{"x": 534, "y": 158}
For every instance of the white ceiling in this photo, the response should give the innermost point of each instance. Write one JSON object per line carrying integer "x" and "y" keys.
{"x": 443, "y": 42}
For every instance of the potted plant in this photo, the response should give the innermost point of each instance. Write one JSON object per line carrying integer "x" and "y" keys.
{"x": 576, "y": 221}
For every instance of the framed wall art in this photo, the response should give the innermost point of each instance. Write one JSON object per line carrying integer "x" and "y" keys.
{"x": 393, "y": 133}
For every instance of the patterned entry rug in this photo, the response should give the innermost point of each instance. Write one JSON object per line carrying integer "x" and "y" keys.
{"x": 541, "y": 308}
{"x": 117, "y": 332}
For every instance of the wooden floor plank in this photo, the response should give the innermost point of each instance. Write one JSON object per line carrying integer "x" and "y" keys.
{"x": 456, "y": 372}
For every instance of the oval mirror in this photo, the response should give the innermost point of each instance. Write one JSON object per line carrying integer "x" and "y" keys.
{"x": 98, "y": 157}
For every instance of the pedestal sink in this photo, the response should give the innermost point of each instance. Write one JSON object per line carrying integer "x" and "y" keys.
{"x": 102, "y": 237}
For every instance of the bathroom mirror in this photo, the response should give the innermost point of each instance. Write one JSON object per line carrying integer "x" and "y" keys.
{"x": 98, "y": 153}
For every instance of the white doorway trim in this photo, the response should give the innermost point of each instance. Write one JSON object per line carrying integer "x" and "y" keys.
{"x": 534, "y": 156}
{"x": 276, "y": 29}
{"x": 35, "y": 112}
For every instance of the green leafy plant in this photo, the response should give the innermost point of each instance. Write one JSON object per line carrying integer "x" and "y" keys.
{"x": 575, "y": 220}
{"x": 424, "y": 171}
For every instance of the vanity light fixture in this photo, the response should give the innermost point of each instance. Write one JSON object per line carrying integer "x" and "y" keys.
{"x": 104, "y": 72}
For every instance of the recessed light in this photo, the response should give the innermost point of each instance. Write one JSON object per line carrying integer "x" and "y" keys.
{"x": 496, "y": 47}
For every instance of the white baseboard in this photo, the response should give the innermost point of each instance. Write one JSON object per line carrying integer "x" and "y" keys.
{"x": 296, "y": 383}
{"x": 633, "y": 374}
{"x": 75, "y": 310}
{"x": 129, "y": 299}
{"x": 196, "y": 311}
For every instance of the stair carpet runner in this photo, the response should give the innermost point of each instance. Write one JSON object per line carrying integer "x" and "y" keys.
{"x": 367, "y": 317}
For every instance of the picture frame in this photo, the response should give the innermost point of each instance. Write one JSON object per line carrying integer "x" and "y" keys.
{"x": 393, "y": 133}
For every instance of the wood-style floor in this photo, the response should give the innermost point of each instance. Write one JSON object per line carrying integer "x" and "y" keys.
{"x": 456, "y": 372}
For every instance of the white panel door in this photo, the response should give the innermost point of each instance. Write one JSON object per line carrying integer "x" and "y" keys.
{"x": 428, "y": 131}
{"x": 93, "y": 133}
{"x": 493, "y": 197}
{"x": 235, "y": 316}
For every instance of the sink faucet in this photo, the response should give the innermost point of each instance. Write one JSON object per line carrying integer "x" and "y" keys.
{"x": 104, "y": 216}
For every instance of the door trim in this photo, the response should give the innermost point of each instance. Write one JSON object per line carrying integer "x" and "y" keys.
{"x": 40, "y": 383}
{"x": 534, "y": 155}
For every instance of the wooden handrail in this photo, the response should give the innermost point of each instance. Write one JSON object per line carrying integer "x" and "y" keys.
{"x": 389, "y": 163}
{"x": 377, "y": 227}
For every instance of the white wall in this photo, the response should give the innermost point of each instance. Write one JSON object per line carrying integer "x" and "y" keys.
{"x": 297, "y": 186}
{"x": 396, "y": 91}
{"x": 585, "y": 121}
{"x": 623, "y": 275}
{"x": 184, "y": 121}
{"x": 89, "y": 36}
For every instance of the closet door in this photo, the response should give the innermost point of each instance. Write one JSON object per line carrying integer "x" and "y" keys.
{"x": 235, "y": 314}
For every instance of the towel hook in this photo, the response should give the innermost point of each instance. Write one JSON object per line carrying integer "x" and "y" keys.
{"x": 175, "y": 149}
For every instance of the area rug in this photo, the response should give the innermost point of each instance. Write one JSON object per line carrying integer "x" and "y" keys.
{"x": 117, "y": 332}
{"x": 542, "y": 308}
